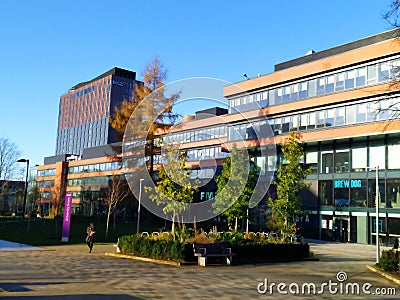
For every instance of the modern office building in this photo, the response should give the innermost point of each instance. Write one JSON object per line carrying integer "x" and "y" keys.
{"x": 346, "y": 104}
{"x": 83, "y": 120}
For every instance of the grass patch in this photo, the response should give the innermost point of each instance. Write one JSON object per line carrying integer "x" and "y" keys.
{"x": 42, "y": 232}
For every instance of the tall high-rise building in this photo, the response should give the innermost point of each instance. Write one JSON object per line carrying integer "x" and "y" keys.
{"x": 83, "y": 120}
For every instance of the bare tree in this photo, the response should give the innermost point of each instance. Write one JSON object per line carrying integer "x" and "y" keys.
{"x": 9, "y": 155}
{"x": 117, "y": 192}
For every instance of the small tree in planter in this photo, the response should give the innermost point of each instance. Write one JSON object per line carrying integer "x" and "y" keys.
{"x": 290, "y": 182}
{"x": 231, "y": 201}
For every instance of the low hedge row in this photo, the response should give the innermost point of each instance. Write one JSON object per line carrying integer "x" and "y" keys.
{"x": 178, "y": 251}
{"x": 160, "y": 249}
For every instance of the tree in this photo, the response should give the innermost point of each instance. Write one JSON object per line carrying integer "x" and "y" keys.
{"x": 290, "y": 181}
{"x": 9, "y": 155}
{"x": 153, "y": 93}
{"x": 175, "y": 188}
{"x": 232, "y": 199}
{"x": 392, "y": 14}
{"x": 117, "y": 192}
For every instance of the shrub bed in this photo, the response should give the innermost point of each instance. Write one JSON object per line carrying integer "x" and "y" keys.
{"x": 389, "y": 261}
{"x": 156, "y": 248}
{"x": 246, "y": 251}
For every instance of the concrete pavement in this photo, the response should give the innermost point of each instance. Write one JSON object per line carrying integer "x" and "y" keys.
{"x": 70, "y": 272}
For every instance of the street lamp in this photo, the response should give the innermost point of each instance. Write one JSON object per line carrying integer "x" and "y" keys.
{"x": 23, "y": 160}
{"x": 377, "y": 211}
{"x": 138, "y": 210}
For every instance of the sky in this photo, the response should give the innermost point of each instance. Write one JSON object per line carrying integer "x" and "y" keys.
{"x": 46, "y": 47}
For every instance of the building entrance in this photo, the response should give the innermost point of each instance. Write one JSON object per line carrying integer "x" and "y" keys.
{"x": 341, "y": 228}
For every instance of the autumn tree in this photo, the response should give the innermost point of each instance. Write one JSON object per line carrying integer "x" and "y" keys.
{"x": 152, "y": 92}
{"x": 290, "y": 181}
{"x": 175, "y": 187}
{"x": 232, "y": 199}
{"x": 118, "y": 190}
{"x": 9, "y": 154}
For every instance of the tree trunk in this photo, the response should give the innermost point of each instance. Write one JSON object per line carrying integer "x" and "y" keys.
{"x": 108, "y": 221}
{"x": 236, "y": 223}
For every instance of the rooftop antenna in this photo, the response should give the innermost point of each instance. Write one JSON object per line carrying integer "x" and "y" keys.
{"x": 245, "y": 76}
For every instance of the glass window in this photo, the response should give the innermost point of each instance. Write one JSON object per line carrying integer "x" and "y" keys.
{"x": 321, "y": 119}
{"x": 393, "y": 156}
{"x": 383, "y": 71}
{"x": 372, "y": 192}
{"x": 295, "y": 92}
{"x": 286, "y": 93}
{"x": 278, "y": 126}
{"x": 271, "y": 97}
{"x": 286, "y": 124}
{"x": 359, "y": 159}
{"x": 341, "y": 192}
{"x": 326, "y": 162}
{"x": 330, "y": 84}
{"x": 326, "y": 192}
{"x": 358, "y": 192}
{"x": 361, "y": 76}
{"x": 311, "y": 121}
{"x": 351, "y": 114}
{"x": 279, "y": 95}
{"x": 372, "y": 110}
{"x": 395, "y": 69}
{"x": 303, "y": 122}
{"x": 342, "y": 158}
{"x": 350, "y": 75}
{"x": 384, "y": 108}
{"x": 264, "y": 100}
{"x": 330, "y": 117}
{"x": 371, "y": 74}
{"x": 339, "y": 78}
{"x": 393, "y": 193}
{"x": 377, "y": 156}
{"x": 312, "y": 161}
{"x": 361, "y": 112}
{"x": 303, "y": 90}
{"x": 340, "y": 116}
{"x": 312, "y": 88}
{"x": 294, "y": 123}
{"x": 320, "y": 86}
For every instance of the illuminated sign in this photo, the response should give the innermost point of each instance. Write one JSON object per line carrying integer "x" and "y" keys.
{"x": 341, "y": 184}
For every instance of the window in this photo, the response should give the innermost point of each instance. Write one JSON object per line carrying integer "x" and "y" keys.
{"x": 342, "y": 158}
{"x": 361, "y": 76}
{"x": 303, "y": 90}
{"x": 371, "y": 74}
{"x": 351, "y": 114}
{"x": 294, "y": 123}
{"x": 326, "y": 192}
{"x": 286, "y": 124}
{"x": 350, "y": 75}
{"x": 330, "y": 84}
{"x": 339, "y": 78}
{"x": 312, "y": 161}
{"x": 295, "y": 92}
{"x": 321, "y": 119}
{"x": 377, "y": 156}
{"x": 312, "y": 88}
{"x": 279, "y": 95}
{"x": 359, "y": 159}
{"x": 321, "y": 86}
{"x": 361, "y": 112}
{"x": 330, "y": 117}
{"x": 340, "y": 116}
{"x": 286, "y": 94}
{"x": 393, "y": 156}
{"x": 393, "y": 193}
{"x": 303, "y": 122}
{"x": 271, "y": 97}
{"x": 311, "y": 121}
{"x": 383, "y": 71}
{"x": 358, "y": 192}
{"x": 326, "y": 162}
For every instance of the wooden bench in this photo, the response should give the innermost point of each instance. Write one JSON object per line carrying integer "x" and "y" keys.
{"x": 203, "y": 251}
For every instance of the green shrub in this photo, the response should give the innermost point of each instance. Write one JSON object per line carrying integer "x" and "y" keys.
{"x": 389, "y": 261}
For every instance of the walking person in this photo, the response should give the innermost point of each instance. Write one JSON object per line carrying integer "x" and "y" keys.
{"x": 91, "y": 233}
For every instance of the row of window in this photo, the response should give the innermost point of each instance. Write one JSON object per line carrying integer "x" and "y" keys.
{"x": 336, "y": 82}
{"x": 374, "y": 110}
{"x": 197, "y": 135}
{"x": 108, "y": 166}
{"x": 198, "y": 154}
{"x": 99, "y": 180}
{"x": 47, "y": 172}
{"x": 359, "y": 193}
{"x": 45, "y": 183}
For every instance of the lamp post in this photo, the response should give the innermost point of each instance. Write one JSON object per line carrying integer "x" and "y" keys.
{"x": 138, "y": 210}
{"x": 376, "y": 211}
{"x": 26, "y": 184}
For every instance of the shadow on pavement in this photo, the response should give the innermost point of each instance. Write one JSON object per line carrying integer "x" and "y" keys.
{"x": 16, "y": 287}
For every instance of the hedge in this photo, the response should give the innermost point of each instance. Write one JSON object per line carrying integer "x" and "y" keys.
{"x": 177, "y": 251}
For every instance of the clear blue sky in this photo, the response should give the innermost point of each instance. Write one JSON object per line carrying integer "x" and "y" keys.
{"x": 48, "y": 46}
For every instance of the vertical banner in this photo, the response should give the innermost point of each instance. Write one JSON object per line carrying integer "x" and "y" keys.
{"x": 67, "y": 217}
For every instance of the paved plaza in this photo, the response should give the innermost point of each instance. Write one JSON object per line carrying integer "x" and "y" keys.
{"x": 70, "y": 272}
